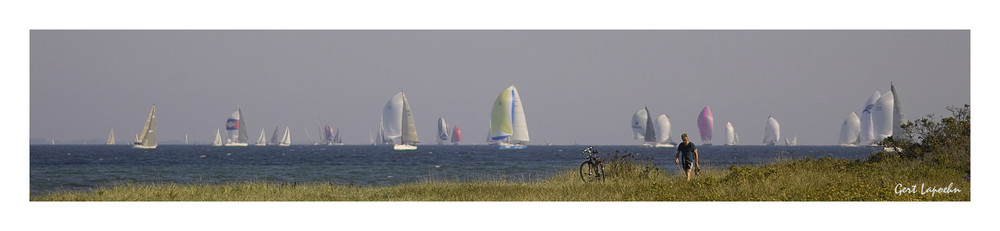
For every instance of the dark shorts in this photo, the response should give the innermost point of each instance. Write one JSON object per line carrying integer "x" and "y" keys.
{"x": 687, "y": 165}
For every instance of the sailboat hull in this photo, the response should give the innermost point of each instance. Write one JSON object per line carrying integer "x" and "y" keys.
{"x": 512, "y": 146}
{"x": 662, "y": 145}
{"x": 143, "y": 146}
{"x": 235, "y": 145}
{"x": 404, "y": 147}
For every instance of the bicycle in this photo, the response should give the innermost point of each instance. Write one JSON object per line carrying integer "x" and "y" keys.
{"x": 593, "y": 168}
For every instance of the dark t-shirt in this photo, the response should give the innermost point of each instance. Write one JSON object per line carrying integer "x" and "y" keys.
{"x": 687, "y": 151}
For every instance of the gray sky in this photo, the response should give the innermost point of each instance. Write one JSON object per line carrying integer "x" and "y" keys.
{"x": 576, "y": 86}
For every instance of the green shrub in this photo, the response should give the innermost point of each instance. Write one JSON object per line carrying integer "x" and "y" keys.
{"x": 944, "y": 144}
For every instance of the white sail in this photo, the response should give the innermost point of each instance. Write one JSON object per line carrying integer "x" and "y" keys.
{"x": 898, "y": 118}
{"x": 662, "y": 128}
{"x": 850, "y": 130}
{"x": 867, "y": 133}
{"x": 882, "y": 117}
{"x": 148, "y": 138}
{"x": 520, "y": 125}
{"x": 443, "y": 135}
{"x": 243, "y": 137}
{"x": 409, "y": 129}
{"x": 772, "y": 131}
{"x": 185, "y": 138}
{"x": 792, "y": 141}
{"x": 639, "y": 124}
{"x": 286, "y": 139}
{"x": 261, "y": 141}
{"x": 392, "y": 118}
{"x": 730, "y": 134}
{"x": 218, "y": 138}
{"x": 111, "y": 138}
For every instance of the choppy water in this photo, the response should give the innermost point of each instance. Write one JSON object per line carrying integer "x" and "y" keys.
{"x": 82, "y": 167}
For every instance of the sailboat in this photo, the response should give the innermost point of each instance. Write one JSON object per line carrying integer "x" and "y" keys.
{"x": 662, "y": 127}
{"x": 274, "y": 137}
{"x": 397, "y": 119}
{"x": 111, "y": 138}
{"x": 148, "y": 138}
{"x": 649, "y": 135}
{"x": 508, "y": 126}
{"x": 218, "y": 138}
{"x": 771, "y": 131}
{"x": 185, "y": 138}
{"x": 793, "y": 141}
{"x": 898, "y": 118}
{"x": 705, "y": 125}
{"x": 336, "y": 139}
{"x": 370, "y": 137}
{"x": 850, "y": 130}
{"x": 327, "y": 135}
{"x": 731, "y": 137}
{"x": 442, "y": 131}
{"x": 547, "y": 143}
{"x": 261, "y": 141}
{"x": 456, "y": 135}
{"x": 286, "y": 140}
{"x": 236, "y": 127}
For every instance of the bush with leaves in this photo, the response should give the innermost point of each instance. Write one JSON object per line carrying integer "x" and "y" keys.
{"x": 946, "y": 143}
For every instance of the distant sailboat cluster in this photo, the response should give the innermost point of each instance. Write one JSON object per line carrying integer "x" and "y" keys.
{"x": 881, "y": 117}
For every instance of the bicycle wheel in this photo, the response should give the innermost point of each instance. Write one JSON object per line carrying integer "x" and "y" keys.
{"x": 588, "y": 172}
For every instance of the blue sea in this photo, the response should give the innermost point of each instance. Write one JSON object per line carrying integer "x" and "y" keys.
{"x": 85, "y": 167}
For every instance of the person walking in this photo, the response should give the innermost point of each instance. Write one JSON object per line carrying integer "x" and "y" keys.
{"x": 689, "y": 153}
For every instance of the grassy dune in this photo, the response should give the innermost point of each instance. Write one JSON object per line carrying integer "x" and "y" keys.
{"x": 823, "y": 179}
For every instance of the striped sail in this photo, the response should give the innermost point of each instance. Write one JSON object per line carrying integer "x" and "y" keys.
{"x": 705, "y": 125}
{"x": 442, "y": 135}
{"x": 233, "y": 127}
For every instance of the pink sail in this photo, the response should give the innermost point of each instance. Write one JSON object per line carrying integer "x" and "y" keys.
{"x": 705, "y": 125}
